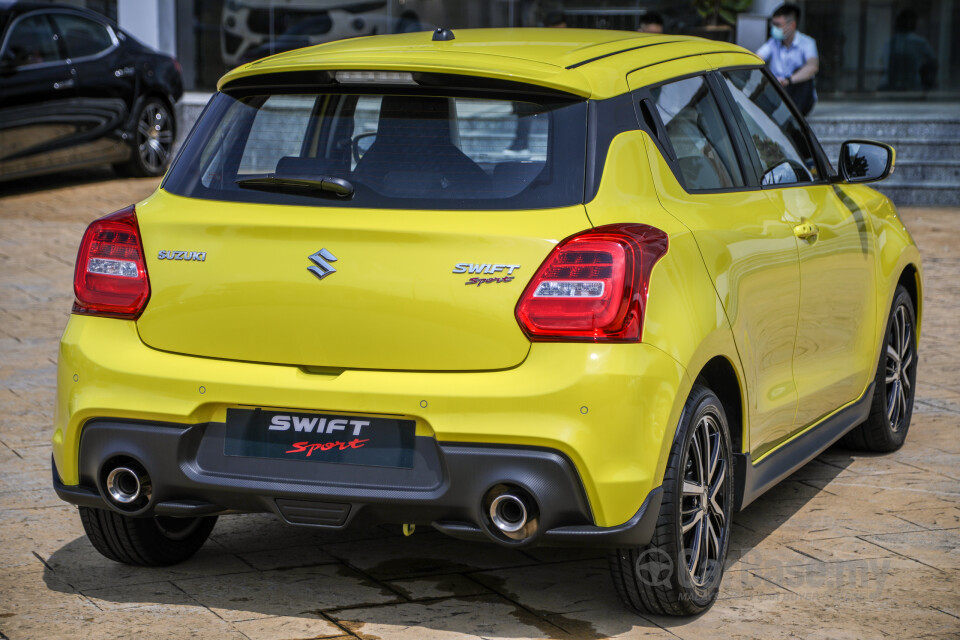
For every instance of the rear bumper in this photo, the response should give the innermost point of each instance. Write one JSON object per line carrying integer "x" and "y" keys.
{"x": 190, "y": 476}
{"x": 608, "y": 410}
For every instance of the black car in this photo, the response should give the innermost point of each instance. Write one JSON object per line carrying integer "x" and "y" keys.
{"x": 76, "y": 91}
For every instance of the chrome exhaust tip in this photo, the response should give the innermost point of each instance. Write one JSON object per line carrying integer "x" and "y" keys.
{"x": 508, "y": 513}
{"x": 126, "y": 485}
{"x": 123, "y": 485}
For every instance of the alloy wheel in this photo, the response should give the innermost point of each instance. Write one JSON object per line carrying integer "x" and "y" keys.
{"x": 154, "y": 136}
{"x": 703, "y": 520}
{"x": 899, "y": 361}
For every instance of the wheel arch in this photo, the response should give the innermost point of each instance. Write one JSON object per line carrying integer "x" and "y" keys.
{"x": 911, "y": 281}
{"x": 720, "y": 376}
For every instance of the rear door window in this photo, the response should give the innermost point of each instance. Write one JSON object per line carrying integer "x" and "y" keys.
{"x": 782, "y": 148}
{"x": 83, "y": 37}
{"x": 396, "y": 151}
{"x": 695, "y": 129}
{"x": 32, "y": 41}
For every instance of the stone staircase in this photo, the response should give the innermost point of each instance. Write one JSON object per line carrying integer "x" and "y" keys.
{"x": 925, "y": 135}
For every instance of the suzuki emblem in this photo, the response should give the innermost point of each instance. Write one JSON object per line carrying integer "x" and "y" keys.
{"x": 322, "y": 259}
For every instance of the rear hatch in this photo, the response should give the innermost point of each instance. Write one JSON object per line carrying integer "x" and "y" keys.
{"x": 419, "y": 268}
{"x": 400, "y": 297}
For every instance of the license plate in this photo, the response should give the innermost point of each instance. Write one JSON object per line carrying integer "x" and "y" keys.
{"x": 319, "y": 437}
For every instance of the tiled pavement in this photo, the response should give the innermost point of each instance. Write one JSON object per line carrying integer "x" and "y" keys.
{"x": 851, "y": 546}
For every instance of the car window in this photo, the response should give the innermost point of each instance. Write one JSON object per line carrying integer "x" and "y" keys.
{"x": 396, "y": 151}
{"x": 82, "y": 37}
{"x": 32, "y": 41}
{"x": 784, "y": 151}
{"x": 700, "y": 140}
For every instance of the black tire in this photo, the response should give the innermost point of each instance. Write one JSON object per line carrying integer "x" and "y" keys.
{"x": 896, "y": 381}
{"x": 147, "y": 542}
{"x": 656, "y": 579}
{"x": 153, "y": 130}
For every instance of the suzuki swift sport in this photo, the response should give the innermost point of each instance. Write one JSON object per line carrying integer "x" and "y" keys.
{"x": 536, "y": 287}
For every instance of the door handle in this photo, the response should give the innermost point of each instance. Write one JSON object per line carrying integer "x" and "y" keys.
{"x": 806, "y": 230}
{"x": 64, "y": 84}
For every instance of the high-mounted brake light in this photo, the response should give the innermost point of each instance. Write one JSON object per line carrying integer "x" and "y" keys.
{"x": 375, "y": 77}
{"x": 110, "y": 278}
{"x": 593, "y": 286}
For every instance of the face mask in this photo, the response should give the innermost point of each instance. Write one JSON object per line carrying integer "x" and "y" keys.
{"x": 776, "y": 33}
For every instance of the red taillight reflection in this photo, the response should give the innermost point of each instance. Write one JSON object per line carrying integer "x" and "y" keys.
{"x": 593, "y": 286}
{"x": 110, "y": 278}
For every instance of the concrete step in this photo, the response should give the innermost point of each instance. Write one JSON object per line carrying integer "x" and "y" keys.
{"x": 887, "y": 129}
{"x": 933, "y": 149}
{"x": 932, "y": 171}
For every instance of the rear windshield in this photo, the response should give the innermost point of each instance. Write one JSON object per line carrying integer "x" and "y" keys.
{"x": 391, "y": 151}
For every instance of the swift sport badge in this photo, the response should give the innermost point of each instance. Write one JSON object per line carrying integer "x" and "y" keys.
{"x": 495, "y": 270}
{"x": 322, "y": 260}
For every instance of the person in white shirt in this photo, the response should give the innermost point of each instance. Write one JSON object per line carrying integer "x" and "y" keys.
{"x": 792, "y": 57}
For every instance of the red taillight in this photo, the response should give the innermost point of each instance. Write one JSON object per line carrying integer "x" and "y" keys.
{"x": 110, "y": 278}
{"x": 593, "y": 286}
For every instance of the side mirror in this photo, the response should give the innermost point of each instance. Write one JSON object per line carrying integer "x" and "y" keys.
{"x": 865, "y": 161}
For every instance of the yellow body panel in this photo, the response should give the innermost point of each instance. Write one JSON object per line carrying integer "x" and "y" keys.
{"x": 726, "y": 60}
{"x": 685, "y": 61}
{"x": 836, "y": 335}
{"x": 896, "y": 252}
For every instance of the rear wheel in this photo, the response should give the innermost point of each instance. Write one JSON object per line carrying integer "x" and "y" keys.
{"x": 679, "y": 572}
{"x": 886, "y": 427}
{"x": 148, "y": 542}
{"x": 153, "y": 135}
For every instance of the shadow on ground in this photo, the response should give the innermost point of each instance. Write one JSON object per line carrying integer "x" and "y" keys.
{"x": 57, "y": 181}
{"x": 255, "y": 566}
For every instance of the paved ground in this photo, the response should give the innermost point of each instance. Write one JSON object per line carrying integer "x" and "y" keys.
{"x": 852, "y": 546}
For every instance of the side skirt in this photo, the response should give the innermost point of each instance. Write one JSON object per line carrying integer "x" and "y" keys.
{"x": 754, "y": 479}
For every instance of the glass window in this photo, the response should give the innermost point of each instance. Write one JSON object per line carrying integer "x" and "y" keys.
{"x": 784, "y": 151}
{"x": 32, "y": 41}
{"x": 395, "y": 151}
{"x": 278, "y": 131}
{"x": 82, "y": 37}
{"x": 700, "y": 140}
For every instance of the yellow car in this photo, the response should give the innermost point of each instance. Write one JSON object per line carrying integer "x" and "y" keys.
{"x": 536, "y": 287}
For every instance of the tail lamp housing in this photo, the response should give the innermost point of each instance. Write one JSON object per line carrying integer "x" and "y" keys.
{"x": 110, "y": 277}
{"x": 593, "y": 286}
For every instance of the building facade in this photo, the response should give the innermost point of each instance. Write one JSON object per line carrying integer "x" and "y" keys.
{"x": 870, "y": 50}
